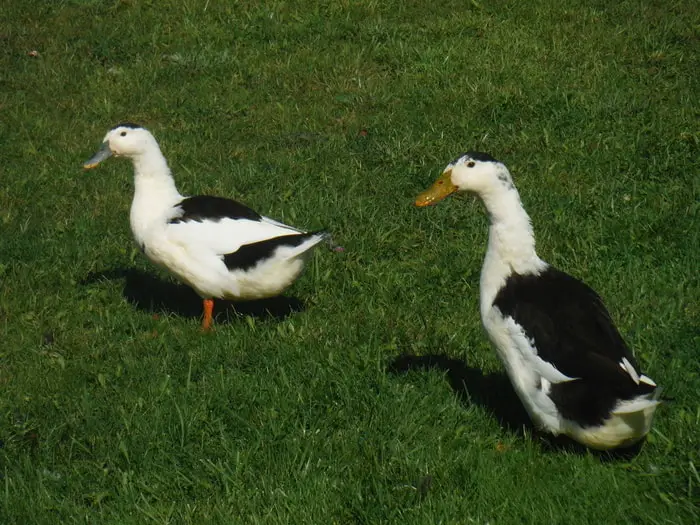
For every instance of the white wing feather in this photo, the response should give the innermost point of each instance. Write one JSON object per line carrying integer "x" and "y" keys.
{"x": 527, "y": 350}
{"x": 224, "y": 236}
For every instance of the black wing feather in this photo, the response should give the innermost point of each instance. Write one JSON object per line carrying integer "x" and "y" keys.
{"x": 573, "y": 330}
{"x": 205, "y": 207}
{"x": 571, "y": 327}
{"x": 248, "y": 255}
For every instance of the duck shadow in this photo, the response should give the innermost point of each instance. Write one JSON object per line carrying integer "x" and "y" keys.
{"x": 494, "y": 393}
{"x": 148, "y": 293}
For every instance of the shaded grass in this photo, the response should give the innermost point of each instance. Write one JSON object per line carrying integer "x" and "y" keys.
{"x": 115, "y": 409}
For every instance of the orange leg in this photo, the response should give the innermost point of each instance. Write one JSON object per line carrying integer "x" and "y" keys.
{"x": 208, "y": 309}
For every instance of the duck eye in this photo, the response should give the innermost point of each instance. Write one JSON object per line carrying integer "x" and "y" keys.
{"x": 471, "y": 164}
{"x": 123, "y": 133}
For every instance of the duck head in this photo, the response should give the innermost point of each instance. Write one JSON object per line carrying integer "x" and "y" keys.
{"x": 126, "y": 139}
{"x": 473, "y": 171}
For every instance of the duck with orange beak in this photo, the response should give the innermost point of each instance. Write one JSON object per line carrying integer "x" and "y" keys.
{"x": 567, "y": 361}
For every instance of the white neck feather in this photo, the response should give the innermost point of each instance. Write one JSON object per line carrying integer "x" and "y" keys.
{"x": 154, "y": 192}
{"x": 511, "y": 247}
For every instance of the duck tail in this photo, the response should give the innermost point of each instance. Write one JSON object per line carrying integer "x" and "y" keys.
{"x": 303, "y": 243}
{"x": 645, "y": 403}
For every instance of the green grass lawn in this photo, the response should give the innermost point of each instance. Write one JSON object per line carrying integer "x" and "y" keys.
{"x": 114, "y": 408}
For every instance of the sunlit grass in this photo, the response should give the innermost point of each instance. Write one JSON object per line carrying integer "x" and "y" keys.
{"x": 115, "y": 409}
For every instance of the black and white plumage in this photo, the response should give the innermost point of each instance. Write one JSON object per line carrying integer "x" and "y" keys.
{"x": 566, "y": 359}
{"x": 219, "y": 247}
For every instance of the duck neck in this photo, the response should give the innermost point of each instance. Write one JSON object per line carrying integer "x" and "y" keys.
{"x": 154, "y": 192}
{"x": 152, "y": 178}
{"x": 511, "y": 245}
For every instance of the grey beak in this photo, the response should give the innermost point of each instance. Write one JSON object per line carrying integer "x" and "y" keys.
{"x": 103, "y": 153}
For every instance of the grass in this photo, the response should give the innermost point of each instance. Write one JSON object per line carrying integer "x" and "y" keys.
{"x": 115, "y": 409}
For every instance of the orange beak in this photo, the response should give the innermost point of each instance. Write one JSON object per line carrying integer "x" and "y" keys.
{"x": 440, "y": 189}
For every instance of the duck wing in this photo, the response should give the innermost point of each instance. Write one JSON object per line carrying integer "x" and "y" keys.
{"x": 570, "y": 329}
{"x": 222, "y": 226}
{"x": 209, "y": 208}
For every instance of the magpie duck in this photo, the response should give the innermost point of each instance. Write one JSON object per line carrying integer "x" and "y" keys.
{"x": 566, "y": 359}
{"x": 219, "y": 247}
